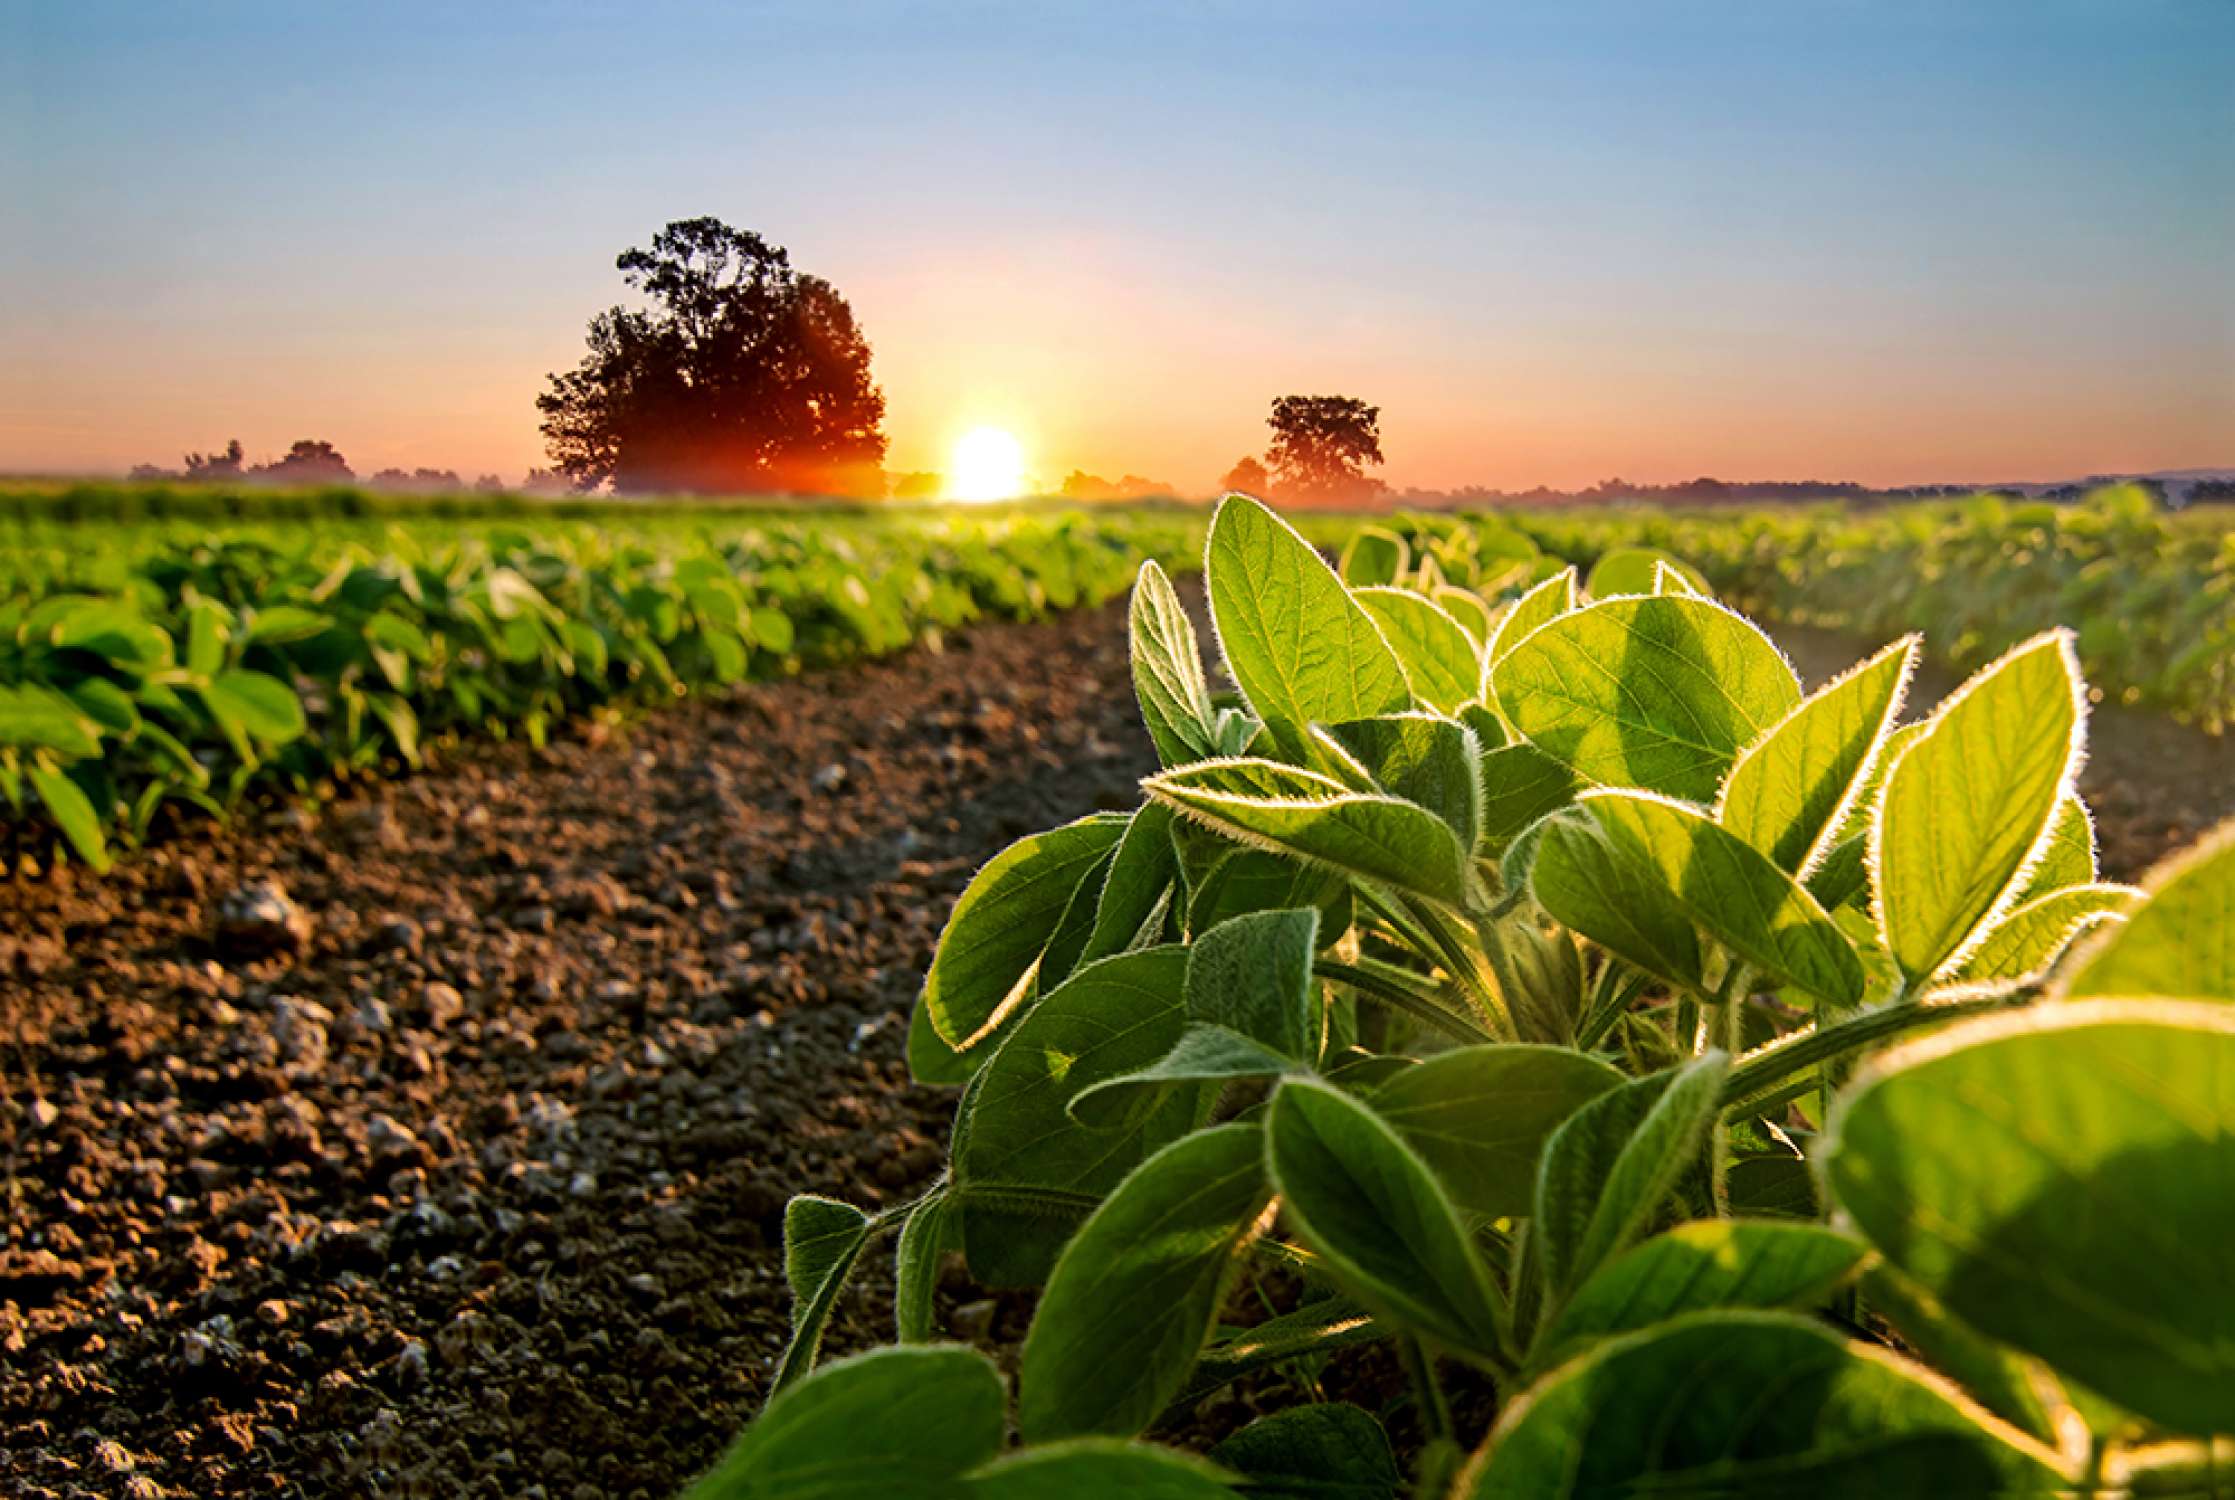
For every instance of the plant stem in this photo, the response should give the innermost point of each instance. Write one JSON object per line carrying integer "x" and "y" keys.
{"x": 1382, "y": 982}
{"x": 1435, "y": 1410}
{"x": 1765, "y": 1067}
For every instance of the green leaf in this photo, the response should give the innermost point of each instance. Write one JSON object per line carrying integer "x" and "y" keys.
{"x": 1139, "y": 886}
{"x": 2068, "y": 858}
{"x": 34, "y": 717}
{"x": 1589, "y": 884}
{"x": 1075, "y": 926}
{"x": 1709, "y": 1263}
{"x": 1168, "y": 672}
{"x": 1967, "y": 807}
{"x": 209, "y": 626}
{"x": 107, "y": 705}
{"x": 2063, "y": 1179}
{"x": 1520, "y": 784}
{"x": 2028, "y": 939}
{"x": 1112, "y": 1017}
{"x": 1204, "y": 1054}
{"x": 1316, "y": 818}
{"x": 1539, "y": 607}
{"x": 822, "y": 1239}
{"x": 1480, "y": 1116}
{"x": 1467, "y": 607}
{"x": 2014, "y": 1386}
{"x": 1660, "y": 693}
{"x": 1326, "y": 1451}
{"x": 1098, "y": 1469}
{"x": 1607, "y": 1170}
{"x": 1433, "y": 761}
{"x": 1731, "y": 889}
{"x": 1438, "y": 656}
{"x": 1357, "y": 1195}
{"x": 1240, "y": 881}
{"x": 1374, "y": 556}
{"x": 1750, "y": 1406}
{"x": 2181, "y": 942}
{"x": 1300, "y": 648}
{"x": 117, "y": 633}
{"x": 895, "y": 1424}
{"x": 263, "y": 707}
{"x": 982, "y": 968}
{"x": 931, "y": 1231}
{"x": 283, "y": 624}
{"x": 1254, "y": 975}
{"x": 1791, "y": 790}
{"x": 1138, "y": 1289}
{"x": 772, "y": 629}
{"x": 72, "y": 813}
{"x": 1636, "y": 570}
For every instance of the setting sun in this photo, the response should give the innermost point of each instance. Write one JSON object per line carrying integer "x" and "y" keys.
{"x": 987, "y": 464}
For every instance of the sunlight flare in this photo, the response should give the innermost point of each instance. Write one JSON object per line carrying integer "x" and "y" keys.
{"x": 987, "y": 464}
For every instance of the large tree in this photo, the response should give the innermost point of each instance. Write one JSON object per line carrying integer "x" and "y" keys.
{"x": 741, "y": 374}
{"x": 1321, "y": 445}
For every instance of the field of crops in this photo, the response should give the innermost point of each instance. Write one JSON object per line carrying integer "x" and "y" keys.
{"x": 168, "y": 651}
{"x": 1491, "y": 1028}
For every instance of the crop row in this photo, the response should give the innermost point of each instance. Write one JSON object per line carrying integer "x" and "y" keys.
{"x": 150, "y": 670}
{"x": 2151, "y": 595}
{"x": 1693, "y": 1085}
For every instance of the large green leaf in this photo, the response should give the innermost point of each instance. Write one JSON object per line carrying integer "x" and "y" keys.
{"x": 1660, "y": 693}
{"x": 1433, "y": 761}
{"x": 1359, "y": 1197}
{"x": 2181, "y": 942}
{"x": 1205, "y": 1054}
{"x": 1316, "y": 818}
{"x": 1300, "y": 648}
{"x": 897, "y": 1424}
{"x": 1137, "y": 1290}
{"x": 1750, "y": 1406}
{"x": 2068, "y": 858}
{"x": 2064, "y": 1180}
{"x": 982, "y": 968}
{"x": 1254, "y": 975}
{"x": 1791, "y": 789}
{"x": 1732, "y": 890}
{"x": 1437, "y": 654}
{"x": 1015, "y": 1129}
{"x": 37, "y": 717}
{"x": 1608, "y": 1168}
{"x": 262, "y": 706}
{"x": 1637, "y": 570}
{"x": 1582, "y": 878}
{"x": 1325, "y": 1451}
{"x": 1480, "y": 1116}
{"x": 1243, "y": 880}
{"x": 931, "y": 1231}
{"x": 1708, "y": 1263}
{"x": 1168, "y": 671}
{"x": 822, "y": 1239}
{"x": 1094, "y": 1468}
{"x": 1968, "y": 805}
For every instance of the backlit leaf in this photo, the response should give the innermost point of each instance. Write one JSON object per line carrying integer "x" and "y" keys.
{"x": 1480, "y": 1116}
{"x": 2181, "y": 942}
{"x": 1439, "y": 658}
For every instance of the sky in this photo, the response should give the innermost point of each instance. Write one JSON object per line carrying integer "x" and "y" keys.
{"x": 1948, "y": 240}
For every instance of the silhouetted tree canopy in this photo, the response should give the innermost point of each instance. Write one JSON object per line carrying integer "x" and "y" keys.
{"x": 1248, "y": 476}
{"x": 1321, "y": 445}
{"x": 309, "y": 461}
{"x": 742, "y": 374}
{"x": 212, "y": 466}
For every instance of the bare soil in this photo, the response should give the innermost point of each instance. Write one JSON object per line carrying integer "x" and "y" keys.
{"x": 461, "y": 1172}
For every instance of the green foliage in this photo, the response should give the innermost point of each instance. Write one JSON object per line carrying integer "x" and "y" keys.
{"x": 166, "y": 669}
{"x": 1506, "y": 1029}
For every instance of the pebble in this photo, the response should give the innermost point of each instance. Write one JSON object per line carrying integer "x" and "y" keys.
{"x": 442, "y": 1002}
{"x": 973, "y": 1321}
{"x": 260, "y": 918}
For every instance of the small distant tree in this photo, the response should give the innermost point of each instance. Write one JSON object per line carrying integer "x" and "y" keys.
{"x": 1321, "y": 446}
{"x": 1249, "y": 477}
{"x": 309, "y": 461}
{"x": 489, "y": 484}
{"x": 742, "y": 374}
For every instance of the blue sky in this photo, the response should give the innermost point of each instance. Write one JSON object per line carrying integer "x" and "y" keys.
{"x": 1896, "y": 241}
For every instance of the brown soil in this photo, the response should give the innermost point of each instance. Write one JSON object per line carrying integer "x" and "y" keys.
{"x": 474, "y": 1187}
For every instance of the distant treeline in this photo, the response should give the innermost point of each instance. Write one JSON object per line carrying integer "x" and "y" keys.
{"x": 1706, "y": 492}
